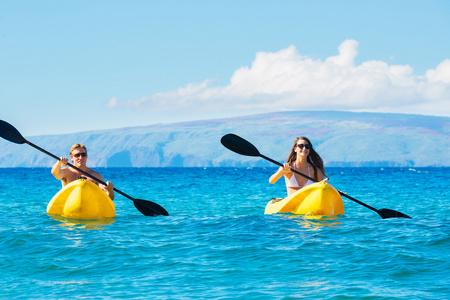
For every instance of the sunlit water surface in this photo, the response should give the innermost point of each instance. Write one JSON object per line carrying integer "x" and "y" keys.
{"x": 217, "y": 243}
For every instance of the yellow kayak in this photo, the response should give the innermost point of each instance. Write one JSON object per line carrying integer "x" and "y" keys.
{"x": 317, "y": 199}
{"x": 83, "y": 200}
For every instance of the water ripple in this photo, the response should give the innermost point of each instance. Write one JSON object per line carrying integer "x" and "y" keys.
{"x": 217, "y": 244}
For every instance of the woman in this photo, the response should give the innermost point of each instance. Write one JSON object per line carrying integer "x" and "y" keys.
{"x": 304, "y": 159}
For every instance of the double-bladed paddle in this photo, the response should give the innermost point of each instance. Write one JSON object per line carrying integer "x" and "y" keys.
{"x": 239, "y": 145}
{"x": 147, "y": 208}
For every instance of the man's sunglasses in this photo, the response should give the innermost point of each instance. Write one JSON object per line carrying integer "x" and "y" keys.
{"x": 80, "y": 154}
{"x": 307, "y": 146}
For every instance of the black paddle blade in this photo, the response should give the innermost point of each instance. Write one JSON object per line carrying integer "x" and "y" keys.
{"x": 239, "y": 145}
{"x": 8, "y": 132}
{"x": 149, "y": 209}
{"x": 389, "y": 213}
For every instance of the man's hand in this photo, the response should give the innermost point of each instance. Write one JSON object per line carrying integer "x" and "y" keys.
{"x": 63, "y": 161}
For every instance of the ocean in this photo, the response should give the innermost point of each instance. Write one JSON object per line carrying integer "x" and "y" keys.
{"x": 218, "y": 244}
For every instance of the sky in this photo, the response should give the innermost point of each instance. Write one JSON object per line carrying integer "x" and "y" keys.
{"x": 71, "y": 66}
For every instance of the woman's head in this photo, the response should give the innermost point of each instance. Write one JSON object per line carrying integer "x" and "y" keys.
{"x": 303, "y": 146}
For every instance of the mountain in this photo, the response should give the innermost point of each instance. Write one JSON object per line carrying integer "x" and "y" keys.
{"x": 341, "y": 138}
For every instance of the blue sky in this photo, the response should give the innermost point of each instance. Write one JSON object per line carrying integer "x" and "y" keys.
{"x": 70, "y": 66}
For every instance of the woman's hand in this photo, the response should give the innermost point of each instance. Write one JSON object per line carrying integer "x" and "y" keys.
{"x": 286, "y": 168}
{"x": 109, "y": 186}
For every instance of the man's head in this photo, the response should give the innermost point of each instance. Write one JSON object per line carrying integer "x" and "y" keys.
{"x": 78, "y": 154}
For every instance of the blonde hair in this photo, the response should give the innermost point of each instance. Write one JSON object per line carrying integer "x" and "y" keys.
{"x": 75, "y": 146}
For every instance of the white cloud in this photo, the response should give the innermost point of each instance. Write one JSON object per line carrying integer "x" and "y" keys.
{"x": 112, "y": 103}
{"x": 442, "y": 73}
{"x": 347, "y": 53}
{"x": 286, "y": 80}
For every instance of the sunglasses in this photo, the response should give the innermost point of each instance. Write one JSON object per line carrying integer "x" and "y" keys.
{"x": 307, "y": 146}
{"x": 80, "y": 154}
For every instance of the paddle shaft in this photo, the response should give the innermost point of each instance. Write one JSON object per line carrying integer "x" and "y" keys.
{"x": 69, "y": 164}
{"x": 147, "y": 208}
{"x": 241, "y": 146}
{"x": 314, "y": 180}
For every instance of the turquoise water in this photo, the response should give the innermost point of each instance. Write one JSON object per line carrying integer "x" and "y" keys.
{"x": 218, "y": 244}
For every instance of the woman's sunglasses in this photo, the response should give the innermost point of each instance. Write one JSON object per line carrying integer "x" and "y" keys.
{"x": 307, "y": 146}
{"x": 80, "y": 154}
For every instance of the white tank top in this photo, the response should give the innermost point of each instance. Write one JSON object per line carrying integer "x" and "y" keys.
{"x": 292, "y": 181}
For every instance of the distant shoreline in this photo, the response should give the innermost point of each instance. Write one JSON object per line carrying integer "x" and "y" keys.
{"x": 343, "y": 139}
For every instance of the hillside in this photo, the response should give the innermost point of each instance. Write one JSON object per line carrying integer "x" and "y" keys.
{"x": 341, "y": 138}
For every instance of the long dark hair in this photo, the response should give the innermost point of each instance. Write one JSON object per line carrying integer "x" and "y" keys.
{"x": 313, "y": 157}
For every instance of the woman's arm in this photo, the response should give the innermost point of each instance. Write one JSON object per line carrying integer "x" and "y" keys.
{"x": 279, "y": 173}
{"x": 320, "y": 176}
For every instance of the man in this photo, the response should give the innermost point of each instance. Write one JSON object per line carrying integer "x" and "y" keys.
{"x": 78, "y": 155}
